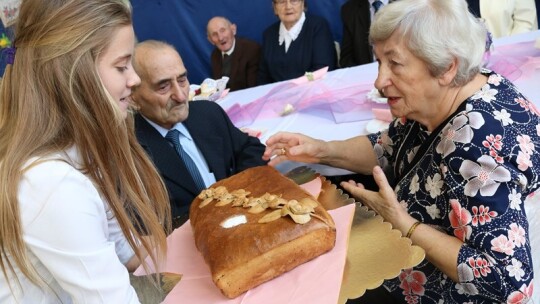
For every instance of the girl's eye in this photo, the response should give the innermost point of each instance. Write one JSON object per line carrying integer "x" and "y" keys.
{"x": 122, "y": 68}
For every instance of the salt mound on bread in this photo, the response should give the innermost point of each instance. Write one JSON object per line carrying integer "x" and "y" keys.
{"x": 257, "y": 225}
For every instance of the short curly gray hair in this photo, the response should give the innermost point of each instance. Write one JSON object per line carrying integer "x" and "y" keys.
{"x": 437, "y": 31}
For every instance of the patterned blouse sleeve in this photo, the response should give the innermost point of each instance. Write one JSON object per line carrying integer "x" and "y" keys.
{"x": 385, "y": 143}
{"x": 491, "y": 166}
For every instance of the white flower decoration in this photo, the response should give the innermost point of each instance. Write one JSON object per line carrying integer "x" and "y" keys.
{"x": 538, "y": 130}
{"x": 485, "y": 175}
{"x": 515, "y": 270}
{"x": 414, "y": 186}
{"x": 495, "y": 79}
{"x": 515, "y": 199}
{"x": 524, "y": 161}
{"x": 433, "y": 211}
{"x": 460, "y": 130}
{"x": 486, "y": 94}
{"x": 375, "y": 96}
{"x": 525, "y": 144}
{"x": 503, "y": 244}
{"x": 467, "y": 288}
{"x": 503, "y": 116}
{"x": 434, "y": 185}
{"x": 516, "y": 234}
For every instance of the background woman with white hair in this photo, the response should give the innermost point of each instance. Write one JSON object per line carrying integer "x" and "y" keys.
{"x": 456, "y": 164}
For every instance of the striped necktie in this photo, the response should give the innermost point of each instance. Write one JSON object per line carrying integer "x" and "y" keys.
{"x": 173, "y": 136}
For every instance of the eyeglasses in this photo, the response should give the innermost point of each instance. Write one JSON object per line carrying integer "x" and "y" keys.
{"x": 283, "y": 2}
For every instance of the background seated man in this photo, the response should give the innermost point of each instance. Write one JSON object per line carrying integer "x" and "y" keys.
{"x": 237, "y": 59}
{"x": 213, "y": 144}
{"x": 356, "y": 16}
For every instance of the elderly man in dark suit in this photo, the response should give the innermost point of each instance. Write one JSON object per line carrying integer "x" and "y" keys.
{"x": 236, "y": 58}
{"x": 356, "y": 16}
{"x": 193, "y": 144}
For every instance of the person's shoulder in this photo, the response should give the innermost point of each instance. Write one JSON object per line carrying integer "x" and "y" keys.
{"x": 215, "y": 52}
{"x": 140, "y": 123}
{"x": 247, "y": 42}
{"x": 58, "y": 164}
{"x": 316, "y": 21}
{"x": 200, "y": 106}
{"x": 315, "y": 18}
{"x": 272, "y": 28}
{"x": 352, "y": 7}
{"x": 54, "y": 172}
{"x": 204, "y": 111}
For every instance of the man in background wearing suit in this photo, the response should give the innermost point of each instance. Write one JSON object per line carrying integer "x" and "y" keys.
{"x": 200, "y": 128}
{"x": 356, "y": 16}
{"x": 236, "y": 58}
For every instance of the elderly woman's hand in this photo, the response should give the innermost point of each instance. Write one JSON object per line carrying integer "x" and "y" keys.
{"x": 383, "y": 202}
{"x": 293, "y": 147}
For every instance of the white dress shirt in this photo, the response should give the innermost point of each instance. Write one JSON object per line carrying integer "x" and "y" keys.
{"x": 72, "y": 238}
{"x": 231, "y": 50}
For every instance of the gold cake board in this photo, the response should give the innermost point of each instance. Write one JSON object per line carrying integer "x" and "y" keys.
{"x": 376, "y": 251}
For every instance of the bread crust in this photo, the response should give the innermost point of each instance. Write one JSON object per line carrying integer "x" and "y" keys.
{"x": 247, "y": 255}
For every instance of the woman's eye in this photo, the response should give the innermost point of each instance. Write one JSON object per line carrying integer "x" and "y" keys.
{"x": 122, "y": 68}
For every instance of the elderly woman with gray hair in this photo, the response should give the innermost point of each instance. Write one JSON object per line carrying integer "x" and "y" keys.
{"x": 453, "y": 168}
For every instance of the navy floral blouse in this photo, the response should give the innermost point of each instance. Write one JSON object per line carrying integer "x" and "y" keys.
{"x": 471, "y": 183}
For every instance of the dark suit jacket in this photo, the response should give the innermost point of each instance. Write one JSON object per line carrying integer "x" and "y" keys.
{"x": 355, "y": 47}
{"x": 226, "y": 149}
{"x": 244, "y": 64}
{"x": 474, "y": 7}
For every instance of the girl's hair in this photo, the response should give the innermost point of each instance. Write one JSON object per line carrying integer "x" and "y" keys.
{"x": 52, "y": 98}
{"x": 437, "y": 31}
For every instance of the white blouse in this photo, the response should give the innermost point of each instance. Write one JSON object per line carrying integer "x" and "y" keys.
{"x": 72, "y": 238}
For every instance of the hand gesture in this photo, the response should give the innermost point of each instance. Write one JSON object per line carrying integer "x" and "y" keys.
{"x": 294, "y": 147}
{"x": 383, "y": 202}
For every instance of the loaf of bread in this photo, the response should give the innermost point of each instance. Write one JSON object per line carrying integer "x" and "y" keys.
{"x": 257, "y": 225}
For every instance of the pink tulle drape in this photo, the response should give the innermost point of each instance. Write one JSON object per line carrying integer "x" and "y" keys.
{"x": 515, "y": 61}
{"x": 344, "y": 98}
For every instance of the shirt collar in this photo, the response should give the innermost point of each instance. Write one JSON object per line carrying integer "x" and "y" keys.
{"x": 179, "y": 126}
{"x": 384, "y": 2}
{"x": 231, "y": 50}
{"x": 292, "y": 34}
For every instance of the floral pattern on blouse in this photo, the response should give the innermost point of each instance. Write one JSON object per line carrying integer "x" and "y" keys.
{"x": 470, "y": 183}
